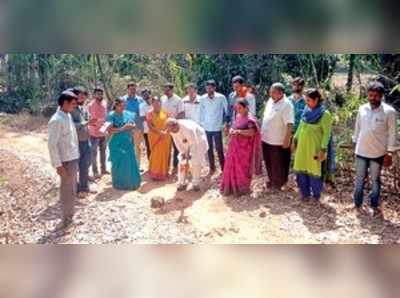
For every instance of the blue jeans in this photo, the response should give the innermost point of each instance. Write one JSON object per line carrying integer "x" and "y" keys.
{"x": 84, "y": 164}
{"x": 309, "y": 185}
{"x": 374, "y": 166}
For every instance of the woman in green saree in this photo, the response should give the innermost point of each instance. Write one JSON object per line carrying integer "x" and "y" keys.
{"x": 124, "y": 166}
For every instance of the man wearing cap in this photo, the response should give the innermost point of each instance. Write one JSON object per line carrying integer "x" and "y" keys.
{"x": 240, "y": 92}
{"x": 80, "y": 116}
{"x": 173, "y": 105}
{"x": 97, "y": 109}
{"x": 145, "y": 108}
{"x": 132, "y": 104}
{"x": 63, "y": 147}
{"x": 213, "y": 112}
{"x": 191, "y": 103}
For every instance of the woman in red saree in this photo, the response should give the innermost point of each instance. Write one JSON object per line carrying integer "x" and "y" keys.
{"x": 243, "y": 158}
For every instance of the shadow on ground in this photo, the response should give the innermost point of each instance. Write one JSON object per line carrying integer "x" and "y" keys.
{"x": 317, "y": 216}
{"x": 185, "y": 199}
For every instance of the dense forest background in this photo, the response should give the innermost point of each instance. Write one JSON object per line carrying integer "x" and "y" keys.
{"x": 31, "y": 82}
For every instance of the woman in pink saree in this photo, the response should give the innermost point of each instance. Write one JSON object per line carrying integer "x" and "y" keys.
{"x": 243, "y": 158}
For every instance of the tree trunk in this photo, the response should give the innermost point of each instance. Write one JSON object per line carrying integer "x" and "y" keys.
{"x": 391, "y": 72}
{"x": 350, "y": 73}
{"x": 103, "y": 80}
{"x": 314, "y": 69}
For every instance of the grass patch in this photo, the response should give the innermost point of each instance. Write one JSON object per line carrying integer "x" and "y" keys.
{"x": 3, "y": 180}
{"x": 23, "y": 121}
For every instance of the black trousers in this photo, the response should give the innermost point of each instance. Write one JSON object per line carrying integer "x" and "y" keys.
{"x": 146, "y": 141}
{"x": 215, "y": 137}
{"x": 175, "y": 160}
{"x": 277, "y": 162}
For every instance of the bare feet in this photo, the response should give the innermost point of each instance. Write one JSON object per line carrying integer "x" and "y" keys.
{"x": 174, "y": 171}
{"x": 64, "y": 224}
{"x": 181, "y": 187}
{"x": 92, "y": 190}
{"x": 82, "y": 195}
{"x": 195, "y": 188}
{"x": 377, "y": 212}
{"x": 360, "y": 210}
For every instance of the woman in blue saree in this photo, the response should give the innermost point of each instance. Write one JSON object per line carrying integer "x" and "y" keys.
{"x": 124, "y": 166}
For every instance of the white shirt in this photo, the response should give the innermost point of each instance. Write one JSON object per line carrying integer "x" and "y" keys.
{"x": 143, "y": 110}
{"x": 375, "y": 131}
{"x": 191, "y": 137}
{"x": 277, "y": 116}
{"x": 63, "y": 140}
{"x": 213, "y": 111}
{"x": 192, "y": 108}
{"x": 172, "y": 105}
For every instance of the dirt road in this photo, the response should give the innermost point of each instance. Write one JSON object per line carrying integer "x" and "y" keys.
{"x": 30, "y": 212}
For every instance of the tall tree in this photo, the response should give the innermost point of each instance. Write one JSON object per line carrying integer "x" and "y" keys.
{"x": 350, "y": 72}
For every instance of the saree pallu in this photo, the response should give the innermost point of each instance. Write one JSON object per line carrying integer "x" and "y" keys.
{"x": 124, "y": 167}
{"x": 243, "y": 158}
{"x": 160, "y": 147}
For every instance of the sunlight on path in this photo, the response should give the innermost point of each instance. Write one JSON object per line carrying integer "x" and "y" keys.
{"x": 261, "y": 218}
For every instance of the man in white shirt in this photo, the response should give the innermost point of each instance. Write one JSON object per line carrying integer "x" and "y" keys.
{"x": 191, "y": 141}
{"x": 375, "y": 139}
{"x": 213, "y": 115}
{"x": 240, "y": 92}
{"x": 145, "y": 108}
{"x": 276, "y": 133}
{"x": 63, "y": 147}
{"x": 191, "y": 103}
{"x": 173, "y": 105}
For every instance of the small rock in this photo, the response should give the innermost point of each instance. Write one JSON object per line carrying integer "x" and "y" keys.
{"x": 183, "y": 219}
{"x": 220, "y": 231}
{"x": 208, "y": 234}
{"x": 157, "y": 202}
{"x": 234, "y": 229}
{"x": 263, "y": 214}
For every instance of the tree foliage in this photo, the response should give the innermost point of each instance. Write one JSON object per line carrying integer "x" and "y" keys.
{"x": 31, "y": 81}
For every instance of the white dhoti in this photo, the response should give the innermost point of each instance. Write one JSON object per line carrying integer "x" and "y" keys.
{"x": 191, "y": 140}
{"x": 196, "y": 163}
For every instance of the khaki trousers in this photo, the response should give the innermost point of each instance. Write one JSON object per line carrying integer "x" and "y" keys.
{"x": 68, "y": 188}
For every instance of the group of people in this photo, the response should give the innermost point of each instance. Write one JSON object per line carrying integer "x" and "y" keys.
{"x": 179, "y": 133}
